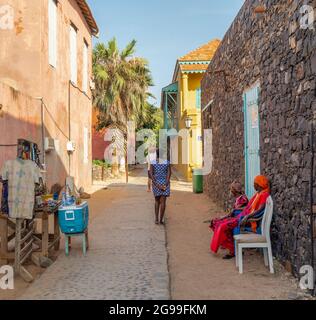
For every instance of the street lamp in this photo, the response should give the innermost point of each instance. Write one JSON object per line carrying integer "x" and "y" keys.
{"x": 188, "y": 122}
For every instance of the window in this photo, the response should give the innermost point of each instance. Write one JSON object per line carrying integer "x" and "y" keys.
{"x": 52, "y": 32}
{"x": 73, "y": 54}
{"x": 85, "y": 67}
{"x": 198, "y": 98}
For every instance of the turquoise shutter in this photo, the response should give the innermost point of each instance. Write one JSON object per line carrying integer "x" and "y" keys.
{"x": 198, "y": 98}
{"x": 252, "y": 139}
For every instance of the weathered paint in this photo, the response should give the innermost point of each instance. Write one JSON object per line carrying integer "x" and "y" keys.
{"x": 24, "y": 66}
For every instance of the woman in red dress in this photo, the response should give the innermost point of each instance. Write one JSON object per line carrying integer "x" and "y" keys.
{"x": 241, "y": 202}
{"x": 223, "y": 231}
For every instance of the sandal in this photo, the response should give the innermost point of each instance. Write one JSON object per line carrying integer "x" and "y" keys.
{"x": 156, "y": 222}
{"x": 228, "y": 257}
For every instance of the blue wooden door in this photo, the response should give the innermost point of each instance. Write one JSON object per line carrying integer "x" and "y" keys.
{"x": 252, "y": 138}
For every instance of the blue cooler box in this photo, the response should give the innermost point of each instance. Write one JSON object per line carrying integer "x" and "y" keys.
{"x": 73, "y": 219}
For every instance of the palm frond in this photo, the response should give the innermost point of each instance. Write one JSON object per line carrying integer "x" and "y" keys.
{"x": 129, "y": 50}
{"x": 122, "y": 83}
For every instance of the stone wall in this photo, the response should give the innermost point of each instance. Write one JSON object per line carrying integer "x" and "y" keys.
{"x": 270, "y": 48}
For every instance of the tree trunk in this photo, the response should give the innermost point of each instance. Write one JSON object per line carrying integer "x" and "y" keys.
{"x": 126, "y": 167}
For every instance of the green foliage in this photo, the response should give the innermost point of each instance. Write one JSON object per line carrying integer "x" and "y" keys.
{"x": 151, "y": 118}
{"x": 101, "y": 163}
{"x": 121, "y": 84}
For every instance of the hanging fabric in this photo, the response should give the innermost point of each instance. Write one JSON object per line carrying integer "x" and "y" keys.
{"x": 4, "y": 198}
{"x": 22, "y": 175}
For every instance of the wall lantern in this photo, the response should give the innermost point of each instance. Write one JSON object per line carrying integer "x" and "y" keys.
{"x": 188, "y": 122}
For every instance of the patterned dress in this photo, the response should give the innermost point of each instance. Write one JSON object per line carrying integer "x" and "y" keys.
{"x": 160, "y": 173}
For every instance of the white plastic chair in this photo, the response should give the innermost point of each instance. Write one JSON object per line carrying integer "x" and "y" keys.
{"x": 252, "y": 240}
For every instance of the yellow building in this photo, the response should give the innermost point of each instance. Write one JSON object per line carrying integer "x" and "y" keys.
{"x": 181, "y": 103}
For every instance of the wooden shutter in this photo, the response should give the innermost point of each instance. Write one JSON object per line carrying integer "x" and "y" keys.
{"x": 85, "y": 68}
{"x": 73, "y": 55}
{"x": 52, "y": 32}
{"x": 198, "y": 98}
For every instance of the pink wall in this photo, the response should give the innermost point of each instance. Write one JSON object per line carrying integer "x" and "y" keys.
{"x": 98, "y": 144}
{"x": 24, "y": 66}
{"x": 20, "y": 118}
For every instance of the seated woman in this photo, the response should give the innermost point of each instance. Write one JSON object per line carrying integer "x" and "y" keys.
{"x": 223, "y": 232}
{"x": 241, "y": 202}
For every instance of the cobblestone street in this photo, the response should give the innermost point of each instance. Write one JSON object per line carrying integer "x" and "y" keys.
{"x": 127, "y": 257}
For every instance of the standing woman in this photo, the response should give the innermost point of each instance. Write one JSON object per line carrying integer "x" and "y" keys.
{"x": 160, "y": 173}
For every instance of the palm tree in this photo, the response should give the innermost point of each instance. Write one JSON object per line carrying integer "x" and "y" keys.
{"x": 121, "y": 86}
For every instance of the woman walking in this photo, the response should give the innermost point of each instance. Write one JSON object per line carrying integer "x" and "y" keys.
{"x": 160, "y": 173}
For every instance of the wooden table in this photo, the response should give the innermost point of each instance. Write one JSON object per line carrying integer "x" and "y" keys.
{"x": 23, "y": 231}
{"x": 45, "y": 240}
{"x": 7, "y": 233}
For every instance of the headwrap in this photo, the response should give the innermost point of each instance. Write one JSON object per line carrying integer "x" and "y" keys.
{"x": 236, "y": 186}
{"x": 263, "y": 182}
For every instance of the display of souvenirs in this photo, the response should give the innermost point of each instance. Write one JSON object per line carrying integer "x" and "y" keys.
{"x": 28, "y": 150}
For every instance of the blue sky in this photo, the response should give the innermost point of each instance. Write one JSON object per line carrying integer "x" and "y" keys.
{"x": 164, "y": 29}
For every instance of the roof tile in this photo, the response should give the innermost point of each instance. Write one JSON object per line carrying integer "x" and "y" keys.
{"x": 203, "y": 53}
{"x": 86, "y": 11}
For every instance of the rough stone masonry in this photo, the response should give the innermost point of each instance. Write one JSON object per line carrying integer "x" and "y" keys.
{"x": 271, "y": 48}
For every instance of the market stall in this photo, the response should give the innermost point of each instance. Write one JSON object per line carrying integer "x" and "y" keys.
{"x": 45, "y": 240}
{"x": 24, "y": 201}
